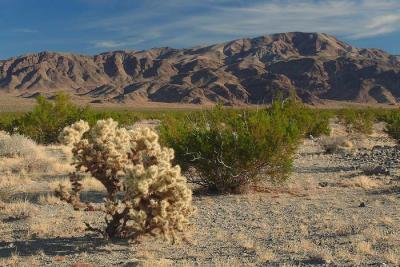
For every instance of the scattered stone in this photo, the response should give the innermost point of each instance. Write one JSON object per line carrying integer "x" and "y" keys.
{"x": 362, "y": 205}
{"x": 380, "y": 160}
{"x": 376, "y": 170}
{"x": 323, "y": 184}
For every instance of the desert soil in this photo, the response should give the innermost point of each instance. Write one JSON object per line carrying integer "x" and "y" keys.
{"x": 330, "y": 213}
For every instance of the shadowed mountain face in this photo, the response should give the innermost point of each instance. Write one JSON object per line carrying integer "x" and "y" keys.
{"x": 316, "y": 66}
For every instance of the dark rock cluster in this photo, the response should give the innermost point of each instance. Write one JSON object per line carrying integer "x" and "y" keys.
{"x": 380, "y": 160}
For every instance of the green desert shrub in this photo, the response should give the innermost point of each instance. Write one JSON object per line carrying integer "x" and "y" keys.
{"x": 392, "y": 120}
{"x": 48, "y": 119}
{"x": 313, "y": 122}
{"x": 146, "y": 193}
{"x": 7, "y": 118}
{"x": 231, "y": 149}
{"x": 357, "y": 120}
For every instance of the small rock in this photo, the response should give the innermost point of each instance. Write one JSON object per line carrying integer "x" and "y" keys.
{"x": 323, "y": 184}
{"x": 362, "y": 205}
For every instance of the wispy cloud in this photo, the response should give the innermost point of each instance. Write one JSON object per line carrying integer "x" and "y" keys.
{"x": 107, "y": 44}
{"x": 111, "y": 44}
{"x": 186, "y": 23}
{"x": 381, "y": 25}
{"x": 23, "y": 30}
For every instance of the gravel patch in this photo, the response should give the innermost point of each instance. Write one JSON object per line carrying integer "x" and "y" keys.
{"x": 313, "y": 220}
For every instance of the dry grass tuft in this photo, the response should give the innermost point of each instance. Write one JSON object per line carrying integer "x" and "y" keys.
{"x": 55, "y": 226}
{"x": 88, "y": 184}
{"x": 19, "y": 210}
{"x": 387, "y": 220}
{"x": 92, "y": 184}
{"x": 20, "y": 155}
{"x": 16, "y": 260}
{"x": 49, "y": 199}
{"x": 6, "y": 192}
{"x": 82, "y": 264}
{"x": 392, "y": 256}
{"x": 244, "y": 241}
{"x": 226, "y": 262}
{"x": 16, "y": 145}
{"x": 13, "y": 181}
{"x": 364, "y": 247}
{"x": 304, "y": 246}
{"x": 264, "y": 254}
{"x": 360, "y": 181}
{"x": 54, "y": 184}
{"x": 335, "y": 144}
{"x": 158, "y": 263}
{"x": 373, "y": 234}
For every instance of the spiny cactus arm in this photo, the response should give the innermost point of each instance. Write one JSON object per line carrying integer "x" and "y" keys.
{"x": 62, "y": 193}
{"x": 73, "y": 134}
{"x": 96, "y": 160}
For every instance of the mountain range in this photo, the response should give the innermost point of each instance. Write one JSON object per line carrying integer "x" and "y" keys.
{"x": 316, "y": 66}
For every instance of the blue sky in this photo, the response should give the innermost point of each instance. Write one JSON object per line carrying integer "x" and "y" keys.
{"x": 94, "y": 26}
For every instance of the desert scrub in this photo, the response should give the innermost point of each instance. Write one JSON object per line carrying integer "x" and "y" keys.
{"x": 49, "y": 118}
{"x": 21, "y": 155}
{"x": 16, "y": 145}
{"x": 146, "y": 194}
{"x": 392, "y": 120}
{"x": 231, "y": 149}
{"x": 336, "y": 144}
{"x": 357, "y": 120}
{"x": 314, "y": 122}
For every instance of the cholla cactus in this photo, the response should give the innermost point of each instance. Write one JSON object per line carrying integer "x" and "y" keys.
{"x": 155, "y": 197}
{"x": 73, "y": 134}
{"x": 73, "y": 198}
{"x": 103, "y": 153}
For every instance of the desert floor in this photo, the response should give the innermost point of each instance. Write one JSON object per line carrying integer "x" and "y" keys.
{"x": 14, "y": 103}
{"x": 336, "y": 210}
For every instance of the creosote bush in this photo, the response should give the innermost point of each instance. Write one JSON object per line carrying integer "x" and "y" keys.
{"x": 50, "y": 117}
{"x": 233, "y": 149}
{"x": 309, "y": 121}
{"x": 358, "y": 120}
{"x": 146, "y": 194}
{"x": 393, "y": 124}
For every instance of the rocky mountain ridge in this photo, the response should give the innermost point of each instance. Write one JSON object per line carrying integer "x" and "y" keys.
{"x": 316, "y": 66}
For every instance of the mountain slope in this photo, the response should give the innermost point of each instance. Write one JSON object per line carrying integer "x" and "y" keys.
{"x": 317, "y": 66}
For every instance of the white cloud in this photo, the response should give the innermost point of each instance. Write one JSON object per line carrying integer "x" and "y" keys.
{"x": 106, "y": 44}
{"x": 352, "y": 19}
{"x": 185, "y": 23}
{"x": 380, "y": 25}
{"x": 384, "y": 21}
{"x": 111, "y": 44}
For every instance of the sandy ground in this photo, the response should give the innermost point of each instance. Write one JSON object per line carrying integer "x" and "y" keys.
{"x": 13, "y": 103}
{"x": 329, "y": 214}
